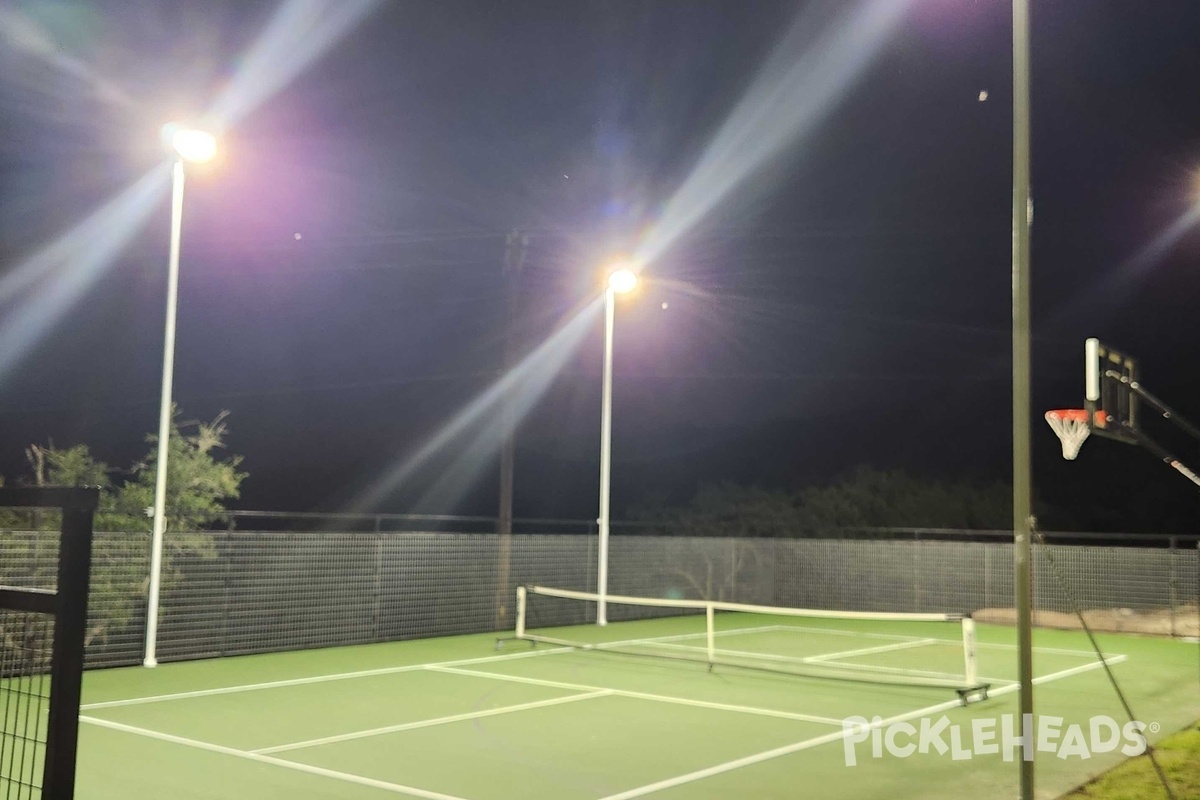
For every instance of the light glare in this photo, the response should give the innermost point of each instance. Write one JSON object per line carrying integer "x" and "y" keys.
{"x": 622, "y": 281}
{"x": 298, "y": 34}
{"x": 809, "y": 73}
{"x": 192, "y": 145}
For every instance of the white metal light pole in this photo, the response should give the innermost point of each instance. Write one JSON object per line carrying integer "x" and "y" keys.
{"x": 621, "y": 281}
{"x": 196, "y": 147}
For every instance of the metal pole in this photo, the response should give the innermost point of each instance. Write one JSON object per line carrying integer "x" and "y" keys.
{"x": 514, "y": 259}
{"x": 1022, "y": 468}
{"x": 70, "y": 635}
{"x": 610, "y": 302}
{"x": 164, "y": 417}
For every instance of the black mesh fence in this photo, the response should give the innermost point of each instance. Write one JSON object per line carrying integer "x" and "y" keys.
{"x": 238, "y": 592}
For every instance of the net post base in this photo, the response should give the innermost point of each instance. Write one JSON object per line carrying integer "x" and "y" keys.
{"x": 503, "y": 640}
{"x": 973, "y": 694}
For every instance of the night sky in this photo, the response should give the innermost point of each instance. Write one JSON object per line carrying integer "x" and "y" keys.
{"x": 846, "y": 302}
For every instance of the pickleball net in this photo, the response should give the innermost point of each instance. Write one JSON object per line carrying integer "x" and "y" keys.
{"x": 934, "y": 650}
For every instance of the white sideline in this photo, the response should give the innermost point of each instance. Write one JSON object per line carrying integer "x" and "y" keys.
{"x": 428, "y": 723}
{"x": 659, "y": 698}
{"x": 370, "y": 673}
{"x": 808, "y": 744}
{"x": 347, "y": 777}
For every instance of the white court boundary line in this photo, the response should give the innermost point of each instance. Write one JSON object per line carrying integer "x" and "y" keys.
{"x": 251, "y": 687}
{"x": 658, "y": 698}
{"x": 592, "y": 691}
{"x": 370, "y": 673}
{"x": 825, "y": 659}
{"x": 347, "y": 777}
{"x": 337, "y": 676}
{"x": 808, "y": 744}
{"x": 429, "y": 723}
{"x": 863, "y": 651}
{"x": 805, "y": 659}
{"x": 1051, "y": 651}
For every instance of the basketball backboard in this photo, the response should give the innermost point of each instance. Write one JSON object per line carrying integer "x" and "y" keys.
{"x": 1111, "y": 402}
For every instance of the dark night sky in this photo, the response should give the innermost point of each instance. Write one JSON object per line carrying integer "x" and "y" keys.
{"x": 848, "y": 303}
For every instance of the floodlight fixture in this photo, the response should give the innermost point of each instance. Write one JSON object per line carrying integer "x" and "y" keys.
{"x": 623, "y": 280}
{"x": 192, "y": 145}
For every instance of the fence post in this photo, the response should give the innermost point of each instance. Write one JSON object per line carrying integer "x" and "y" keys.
{"x": 916, "y": 567}
{"x": 225, "y": 547}
{"x": 1172, "y": 585}
{"x": 376, "y": 633}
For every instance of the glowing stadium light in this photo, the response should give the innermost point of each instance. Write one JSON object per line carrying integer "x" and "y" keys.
{"x": 190, "y": 144}
{"x": 622, "y": 281}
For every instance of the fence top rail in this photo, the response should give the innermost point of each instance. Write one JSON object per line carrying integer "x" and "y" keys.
{"x": 936, "y": 533}
{"x": 1065, "y": 538}
{"x": 368, "y": 521}
{"x": 38, "y": 601}
{"x": 82, "y": 498}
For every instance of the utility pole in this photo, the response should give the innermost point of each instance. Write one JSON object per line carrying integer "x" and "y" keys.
{"x": 515, "y": 246}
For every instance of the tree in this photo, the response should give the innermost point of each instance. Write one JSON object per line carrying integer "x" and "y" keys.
{"x": 872, "y": 498}
{"x": 709, "y": 569}
{"x": 198, "y": 485}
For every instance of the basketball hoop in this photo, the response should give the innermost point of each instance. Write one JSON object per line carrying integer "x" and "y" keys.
{"x": 1071, "y": 425}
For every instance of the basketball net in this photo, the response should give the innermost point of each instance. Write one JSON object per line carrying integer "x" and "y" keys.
{"x": 1071, "y": 425}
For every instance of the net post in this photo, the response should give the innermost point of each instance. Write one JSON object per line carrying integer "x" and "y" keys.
{"x": 710, "y": 630}
{"x": 969, "y": 658}
{"x": 66, "y": 667}
{"x": 520, "y": 612}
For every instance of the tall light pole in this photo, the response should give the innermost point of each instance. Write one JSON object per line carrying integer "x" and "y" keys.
{"x": 187, "y": 146}
{"x": 620, "y": 281}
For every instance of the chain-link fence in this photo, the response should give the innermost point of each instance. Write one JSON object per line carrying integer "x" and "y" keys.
{"x": 237, "y": 592}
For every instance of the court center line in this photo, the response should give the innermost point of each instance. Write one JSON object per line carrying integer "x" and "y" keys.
{"x": 863, "y": 651}
{"x": 659, "y": 698}
{"x": 816, "y": 741}
{"x": 823, "y": 660}
{"x": 428, "y": 723}
{"x": 346, "y": 777}
{"x": 370, "y": 673}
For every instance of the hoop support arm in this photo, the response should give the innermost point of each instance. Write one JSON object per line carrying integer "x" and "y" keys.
{"x": 1165, "y": 410}
{"x": 1168, "y": 459}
